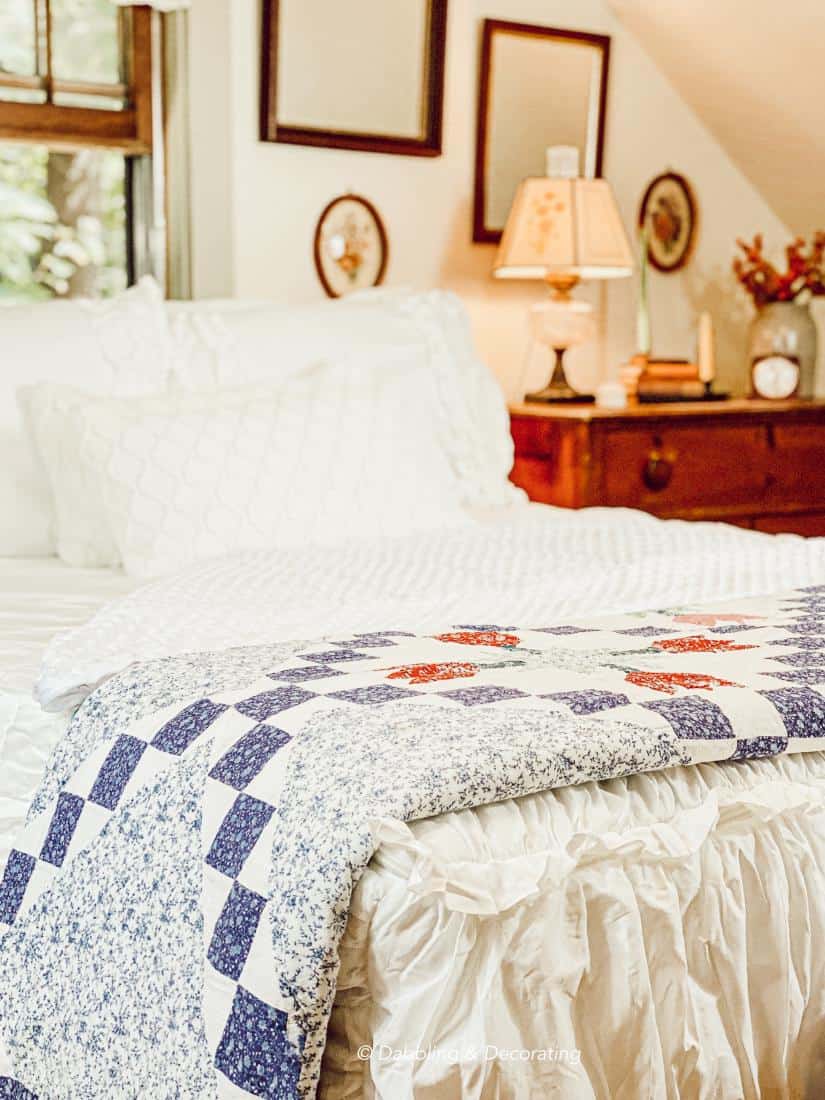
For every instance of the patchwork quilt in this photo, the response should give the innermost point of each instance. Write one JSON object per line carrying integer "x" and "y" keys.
{"x": 171, "y": 914}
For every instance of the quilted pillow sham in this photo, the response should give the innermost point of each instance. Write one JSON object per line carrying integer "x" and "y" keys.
{"x": 81, "y": 528}
{"x": 239, "y": 343}
{"x": 333, "y": 453}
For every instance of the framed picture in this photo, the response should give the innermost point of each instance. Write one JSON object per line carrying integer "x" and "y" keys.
{"x": 668, "y": 213}
{"x": 350, "y": 246}
{"x": 367, "y": 76}
{"x": 538, "y": 86}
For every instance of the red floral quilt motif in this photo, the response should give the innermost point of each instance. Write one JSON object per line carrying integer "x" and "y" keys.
{"x": 695, "y": 643}
{"x": 430, "y": 673}
{"x": 480, "y": 637}
{"x": 668, "y": 682}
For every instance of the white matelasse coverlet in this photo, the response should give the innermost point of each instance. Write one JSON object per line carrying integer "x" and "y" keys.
{"x": 462, "y": 931}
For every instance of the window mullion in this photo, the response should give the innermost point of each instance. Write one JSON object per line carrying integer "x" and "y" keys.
{"x": 47, "y": 39}
{"x": 37, "y": 12}
{"x": 124, "y": 42}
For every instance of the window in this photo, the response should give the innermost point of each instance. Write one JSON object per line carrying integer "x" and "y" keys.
{"x": 75, "y": 132}
{"x": 76, "y": 72}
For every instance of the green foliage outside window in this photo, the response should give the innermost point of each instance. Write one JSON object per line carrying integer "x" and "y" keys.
{"x": 62, "y": 222}
{"x": 62, "y": 215}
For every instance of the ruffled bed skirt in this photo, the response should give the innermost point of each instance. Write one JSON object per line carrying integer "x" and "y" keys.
{"x": 652, "y": 937}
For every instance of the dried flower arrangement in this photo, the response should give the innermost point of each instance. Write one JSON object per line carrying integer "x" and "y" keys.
{"x": 804, "y": 278}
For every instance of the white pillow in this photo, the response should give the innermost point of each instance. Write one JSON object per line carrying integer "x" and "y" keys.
{"x": 334, "y": 453}
{"x": 231, "y": 343}
{"x": 120, "y": 346}
{"x": 239, "y": 343}
{"x": 83, "y": 535}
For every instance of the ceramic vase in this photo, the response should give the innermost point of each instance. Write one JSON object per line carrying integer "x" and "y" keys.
{"x": 786, "y": 328}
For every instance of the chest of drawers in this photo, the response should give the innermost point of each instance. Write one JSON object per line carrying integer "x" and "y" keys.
{"x": 754, "y": 463}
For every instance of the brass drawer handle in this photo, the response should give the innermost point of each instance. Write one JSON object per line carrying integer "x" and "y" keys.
{"x": 658, "y": 470}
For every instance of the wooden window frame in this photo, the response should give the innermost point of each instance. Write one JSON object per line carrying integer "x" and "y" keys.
{"x": 64, "y": 127}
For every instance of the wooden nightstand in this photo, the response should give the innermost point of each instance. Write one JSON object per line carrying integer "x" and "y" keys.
{"x": 754, "y": 463}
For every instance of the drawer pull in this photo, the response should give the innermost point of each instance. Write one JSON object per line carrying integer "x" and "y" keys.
{"x": 658, "y": 470}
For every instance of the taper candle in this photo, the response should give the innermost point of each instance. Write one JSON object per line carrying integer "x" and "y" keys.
{"x": 707, "y": 353}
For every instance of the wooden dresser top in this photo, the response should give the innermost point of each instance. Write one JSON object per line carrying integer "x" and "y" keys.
{"x": 737, "y": 406}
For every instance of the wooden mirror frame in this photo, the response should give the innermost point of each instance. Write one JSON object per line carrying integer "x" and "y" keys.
{"x": 429, "y": 145}
{"x": 482, "y": 233}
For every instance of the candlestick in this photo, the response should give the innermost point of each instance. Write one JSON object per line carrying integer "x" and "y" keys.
{"x": 707, "y": 354}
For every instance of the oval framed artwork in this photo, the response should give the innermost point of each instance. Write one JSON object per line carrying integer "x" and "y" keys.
{"x": 668, "y": 211}
{"x": 350, "y": 247}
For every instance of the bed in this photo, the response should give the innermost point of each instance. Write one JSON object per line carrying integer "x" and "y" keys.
{"x": 555, "y": 920}
{"x": 39, "y": 597}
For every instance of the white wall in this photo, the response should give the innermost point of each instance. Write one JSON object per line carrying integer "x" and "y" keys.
{"x": 255, "y": 205}
{"x": 772, "y": 125}
{"x": 213, "y": 118}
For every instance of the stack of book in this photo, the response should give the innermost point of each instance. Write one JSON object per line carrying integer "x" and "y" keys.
{"x": 670, "y": 380}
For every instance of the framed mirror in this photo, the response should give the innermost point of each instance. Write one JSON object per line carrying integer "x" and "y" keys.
{"x": 538, "y": 86}
{"x": 365, "y": 75}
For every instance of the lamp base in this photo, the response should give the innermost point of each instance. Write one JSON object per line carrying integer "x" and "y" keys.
{"x": 555, "y": 394}
{"x": 558, "y": 388}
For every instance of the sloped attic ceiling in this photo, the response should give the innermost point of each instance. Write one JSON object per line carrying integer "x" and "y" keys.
{"x": 753, "y": 72}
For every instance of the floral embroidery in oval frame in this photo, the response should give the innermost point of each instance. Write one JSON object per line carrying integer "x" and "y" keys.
{"x": 351, "y": 249}
{"x": 668, "y": 213}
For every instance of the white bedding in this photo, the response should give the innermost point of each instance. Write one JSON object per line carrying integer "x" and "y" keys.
{"x": 38, "y": 598}
{"x": 669, "y": 927}
{"x": 532, "y": 564}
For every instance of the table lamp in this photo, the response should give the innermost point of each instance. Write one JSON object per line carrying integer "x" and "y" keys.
{"x": 563, "y": 229}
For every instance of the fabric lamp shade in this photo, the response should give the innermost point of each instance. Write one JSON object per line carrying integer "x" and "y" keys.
{"x": 564, "y": 228}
